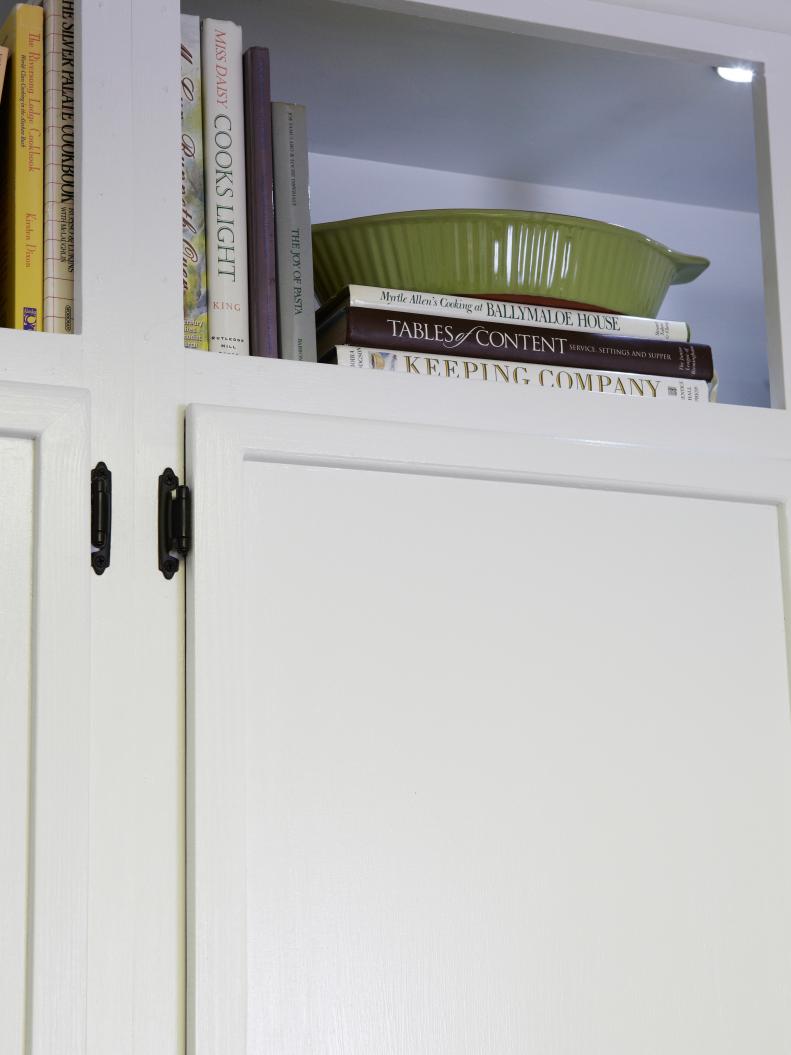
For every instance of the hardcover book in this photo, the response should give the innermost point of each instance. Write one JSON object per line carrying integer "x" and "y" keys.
{"x": 22, "y": 184}
{"x": 555, "y": 315}
{"x": 262, "y": 275}
{"x": 60, "y": 171}
{"x": 429, "y": 334}
{"x": 292, "y": 233}
{"x": 224, "y": 171}
{"x": 451, "y": 367}
{"x": 193, "y": 216}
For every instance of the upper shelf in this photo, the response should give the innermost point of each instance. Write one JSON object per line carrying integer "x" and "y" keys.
{"x": 407, "y": 111}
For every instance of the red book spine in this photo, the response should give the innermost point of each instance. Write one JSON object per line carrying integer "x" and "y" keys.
{"x": 262, "y": 278}
{"x": 410, "y": 332}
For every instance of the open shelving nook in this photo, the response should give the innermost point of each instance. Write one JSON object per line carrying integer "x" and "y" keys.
{"x": 578, "y": 111}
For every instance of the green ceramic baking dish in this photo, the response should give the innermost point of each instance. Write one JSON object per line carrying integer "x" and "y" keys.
{"x": 494, "y": 252}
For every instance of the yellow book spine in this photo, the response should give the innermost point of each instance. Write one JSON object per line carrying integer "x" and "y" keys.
{"x": 22, "y": 231}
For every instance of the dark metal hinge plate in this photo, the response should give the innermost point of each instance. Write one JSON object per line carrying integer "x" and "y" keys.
{"x": 175, "y": 522}
{"x": 101, "y": 517}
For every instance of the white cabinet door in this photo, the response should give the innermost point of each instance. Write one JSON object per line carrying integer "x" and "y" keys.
{"x": 489, "y": 742}
{"x": 44, "y": 689}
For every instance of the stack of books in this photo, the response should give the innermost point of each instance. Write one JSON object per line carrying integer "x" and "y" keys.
{"x": 38, "y": 173}
{"x": 247, "y": 265}
{"x": 559, "y": 345}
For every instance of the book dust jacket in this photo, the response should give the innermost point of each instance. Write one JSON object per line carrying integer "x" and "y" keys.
{"x": 193, "y": 215}
{"x": 22, "y": 176}
{"x": 226, "y": 206}
{"x": 60, "y": 171}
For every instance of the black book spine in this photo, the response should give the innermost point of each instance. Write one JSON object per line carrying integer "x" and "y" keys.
{"x": 410, "y": 332}
{"x": 262, "y": 277}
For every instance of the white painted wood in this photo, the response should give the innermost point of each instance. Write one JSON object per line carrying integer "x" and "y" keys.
{"x": 46, "y": 716}
{"x": 729, "y": 431}
{"x": 481, "y": 724}
{"x": 135, "y": 926}
{"x": 135, "y": 740}
{"x": 720, "y": 433}
{"x": 773, "y": 15}
{"x": 129, "y": 358}
{"x": 152, "y": 996}
{"x": 634, "y": 26}
{"x": 16, "y": 578}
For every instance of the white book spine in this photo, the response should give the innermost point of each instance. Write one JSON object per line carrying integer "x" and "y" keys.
{"x": 537, "y": 375}
{"x": 559, "y": 318}
{"x": 224, "y": 164}
{"x": 60, "y": 171}
{"x": 294, "y": 250}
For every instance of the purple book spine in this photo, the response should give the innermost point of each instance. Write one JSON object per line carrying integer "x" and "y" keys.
{"x": 260, "y": 204}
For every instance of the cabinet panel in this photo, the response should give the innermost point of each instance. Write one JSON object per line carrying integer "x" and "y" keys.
{"x": 480, "y": 759}
{"x": 16, "y": 571}
{"x": 44, "y": 650}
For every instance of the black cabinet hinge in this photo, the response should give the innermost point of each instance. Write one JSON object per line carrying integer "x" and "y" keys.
{"x": 101, "y": 517}
{"x": 175, "y": 522}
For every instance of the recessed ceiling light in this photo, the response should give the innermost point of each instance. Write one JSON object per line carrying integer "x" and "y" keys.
{"x": 739, "y": 74}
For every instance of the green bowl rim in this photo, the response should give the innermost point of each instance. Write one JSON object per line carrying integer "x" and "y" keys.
{"x": 687, "y": 266}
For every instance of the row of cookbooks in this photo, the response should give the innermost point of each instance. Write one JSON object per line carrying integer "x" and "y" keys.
{"x": 247, "y": 267}
{"x": 37, "y": 166}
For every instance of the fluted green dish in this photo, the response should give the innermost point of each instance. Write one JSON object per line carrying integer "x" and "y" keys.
{"x": 500, "y": 252}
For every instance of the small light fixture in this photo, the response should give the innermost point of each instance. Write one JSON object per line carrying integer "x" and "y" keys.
{"x": 738, "y": 74}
